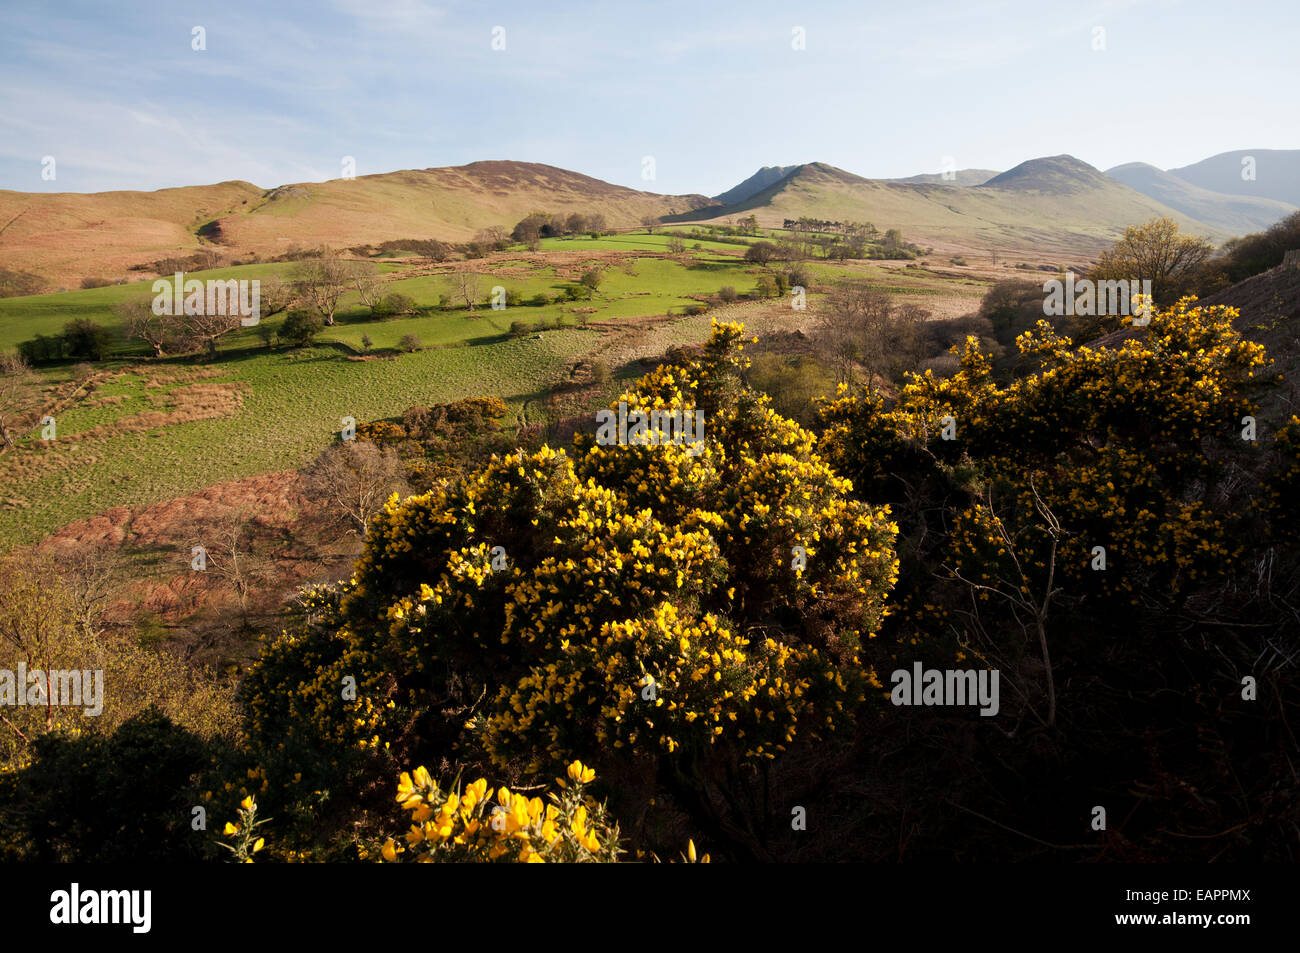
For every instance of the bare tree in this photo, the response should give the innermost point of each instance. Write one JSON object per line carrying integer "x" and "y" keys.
{"x": 861, "y": 327}
{"x": 466, "y": 284}
{"x": 352, "y": 480}
{"x": 161, "y": 332}
{"x": 494, "y": 236}
{"x": 165, "y": 332}
{"x": 1029, "y": 605}
{"x": 275, "y": 296}
{"x": 323, "y": 281}
{"x": 209, "y": 328}
{"x": 761, "y": 253}
{"x": 366, "y": 280}
{"x": 229, "y": 542}
{"x": 20, "y": 398}
{"x": 89, "y": 572}
{"x": 434, "y": 250}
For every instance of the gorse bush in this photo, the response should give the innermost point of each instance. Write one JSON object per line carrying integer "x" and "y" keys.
{"x": 1117, "y": 443}
{"x": 697, "y": 605}
{"x": 1097, "y": 530}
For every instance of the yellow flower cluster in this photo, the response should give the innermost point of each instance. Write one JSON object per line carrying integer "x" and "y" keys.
{"x": 477, "y": 825}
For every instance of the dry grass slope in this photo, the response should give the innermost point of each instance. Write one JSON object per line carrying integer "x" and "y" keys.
{"x": 64, "y": 237}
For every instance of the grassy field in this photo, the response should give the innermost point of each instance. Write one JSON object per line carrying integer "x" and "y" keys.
{"x": 288, "y": 405}
{"x": 21, "y": 319}
{"x": 643, "y": 286}
{"x": 637, "y": 241}
{"x": 152, "y": 430}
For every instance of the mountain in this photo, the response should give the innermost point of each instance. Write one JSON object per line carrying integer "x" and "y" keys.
{"x": 755, "y": 183}
{"x": 1277, "y": 174}
{"x": 1240, "y": 214}
{"x": 1055, "y": 175}
{"x": 1055, "y": 205}
{"x": 960, "y": 177}
{"x": 64, "y": 237}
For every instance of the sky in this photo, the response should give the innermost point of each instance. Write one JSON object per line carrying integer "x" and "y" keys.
{"x": 118, "y": 95}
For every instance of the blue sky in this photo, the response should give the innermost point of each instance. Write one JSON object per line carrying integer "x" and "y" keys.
{"x": 284, "y": 90}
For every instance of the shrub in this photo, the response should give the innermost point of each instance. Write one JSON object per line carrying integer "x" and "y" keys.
{"x": 1142, "y": 486}
{"x": 42, "y": 348}
{"x": 410, "y": 343}
{"x": 1012, "y": 307}
{"x": 394, "y": 303}
{"x": 124, "y": 797}
{"x": 83, "y": 338}
{"x": 631, "y": 616}
{"x": 728, "y": 294}
{"x": 301, "y": 325}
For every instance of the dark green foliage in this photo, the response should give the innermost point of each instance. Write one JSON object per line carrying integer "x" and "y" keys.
{"x": 393, "y": 304}
{"x": 126, "y": 797}
{"x": 83, "y": 339}
{"x": 301, "y": 326}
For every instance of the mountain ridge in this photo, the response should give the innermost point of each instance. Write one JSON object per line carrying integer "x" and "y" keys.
{"x": 1240, "y": 214}
{"x": 1052, "y": 203}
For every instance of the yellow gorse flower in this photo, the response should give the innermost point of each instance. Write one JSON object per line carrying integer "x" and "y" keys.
{"x": 580, "y": 774}
{"x": 511, "y": 826}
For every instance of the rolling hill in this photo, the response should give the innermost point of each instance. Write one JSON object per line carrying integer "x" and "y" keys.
{"x": 1056, "y": 205}
{"x": 963, "y": 177}
{"x": 1277, "y": 174}
{"x": 64, "y": 237}
{"x": 1240, "y": 214}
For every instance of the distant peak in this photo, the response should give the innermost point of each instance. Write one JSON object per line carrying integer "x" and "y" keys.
{"x": 1059, "y": 174}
